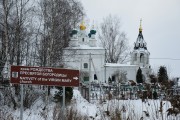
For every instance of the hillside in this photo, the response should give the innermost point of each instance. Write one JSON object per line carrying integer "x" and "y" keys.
{"x": 80, "y": 108}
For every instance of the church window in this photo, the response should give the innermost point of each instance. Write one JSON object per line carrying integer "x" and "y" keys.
{"x": 141, "y": 44}
{"x": 141, "y": 57}
{"x": 147, "y": 61}
{"x": 113, "y": 78}
{"x": 135, "y": 56}
{"x": 83, "y": 39}
{"x": 86, "y": 78}
{"x": 85, "y": 65}
{"x": 95, "y": 77}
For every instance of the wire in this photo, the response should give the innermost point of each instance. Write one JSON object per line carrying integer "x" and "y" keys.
{"x": 79, "y": 54}
{"x": 166, "y": 58}
{"x": 159, "y": 58}
{"x": 124, "y": 56}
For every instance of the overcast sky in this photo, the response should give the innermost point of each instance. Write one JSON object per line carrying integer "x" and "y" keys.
{"x": 160, "y": 23}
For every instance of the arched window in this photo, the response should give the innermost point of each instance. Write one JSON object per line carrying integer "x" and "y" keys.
{"x": 113, "y": 78}
{"x": 141, "y": 57}
{"x": 85, "y": 65}
{"x": 147, "y": 62}
{"x": 95, "y": 77}
{"x": 135, "y": 56}
{"x": 83, "y": 39}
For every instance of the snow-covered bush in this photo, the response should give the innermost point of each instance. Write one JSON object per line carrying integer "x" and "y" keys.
{"x": 5, "y": 114}
{"x": 9, "y": 97}
{"x": 70, "y": 113}
{"x": 30, "y": 95}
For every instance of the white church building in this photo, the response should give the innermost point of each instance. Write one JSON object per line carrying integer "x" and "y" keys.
{"x": 85, "y": 55}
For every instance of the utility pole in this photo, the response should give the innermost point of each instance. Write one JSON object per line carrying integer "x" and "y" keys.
{"x": 63, "y": 107}
{"x": 21, "y": 109}
{"x": 90, "y": 76}
{"x": 105, "y": 67}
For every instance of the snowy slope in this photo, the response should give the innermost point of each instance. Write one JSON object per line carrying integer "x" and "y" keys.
{"x": 133, "y": 109}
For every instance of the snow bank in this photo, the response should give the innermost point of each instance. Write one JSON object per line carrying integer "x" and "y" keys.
{"x": 83, "y": 106}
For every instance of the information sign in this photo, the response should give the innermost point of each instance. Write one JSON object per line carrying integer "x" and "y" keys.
{"x": 44, "y": 76}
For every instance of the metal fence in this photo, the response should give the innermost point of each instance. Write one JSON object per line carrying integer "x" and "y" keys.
{"x": 124, "y": 92}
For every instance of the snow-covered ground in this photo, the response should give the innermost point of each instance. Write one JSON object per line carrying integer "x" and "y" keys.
{"x": 132, "y": 109}
{"x": 36, "y": 112}
{"x": 100, "y": 110}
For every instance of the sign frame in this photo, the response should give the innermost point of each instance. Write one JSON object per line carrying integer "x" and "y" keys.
{"x": 44, "y": 76}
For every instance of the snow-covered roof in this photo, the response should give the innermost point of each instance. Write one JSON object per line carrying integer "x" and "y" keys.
{"x": 141, "y": 50}
{"x": 87, "y": 47}
{"x": 118, "y": 65}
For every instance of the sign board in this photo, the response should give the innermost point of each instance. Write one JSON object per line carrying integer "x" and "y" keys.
{"x": 44, "y": 76}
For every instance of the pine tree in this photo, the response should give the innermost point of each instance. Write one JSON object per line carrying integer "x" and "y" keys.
{"x": 139, "y": 76}
{"x": 162, "y": 74}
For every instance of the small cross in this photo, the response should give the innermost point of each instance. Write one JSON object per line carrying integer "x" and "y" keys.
{"x": 140, "y": 21}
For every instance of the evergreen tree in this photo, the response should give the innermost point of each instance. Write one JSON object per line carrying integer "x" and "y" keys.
{"x": 162, "y": 74}
{"x": 109, "y": 80}
{"x": 155, "y": 95}
{"x": 139, "y": 76}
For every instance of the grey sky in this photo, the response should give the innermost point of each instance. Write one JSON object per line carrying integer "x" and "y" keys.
{"x": 160, "y": 22}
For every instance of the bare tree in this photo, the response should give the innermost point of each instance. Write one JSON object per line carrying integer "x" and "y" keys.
{"x": 5, "y": 7}
{"x": 16, "y": 34}
{"x": 22, "y": 31}
{"x": 21, "y": 44}
{"x": 113, "y": 40}
{"x": 59, "y": 17}
{"x": 16, "y": 30}
{"x": 121, "y": 76}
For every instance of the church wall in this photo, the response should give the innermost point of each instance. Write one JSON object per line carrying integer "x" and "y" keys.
{"x": 80, "y": 57}
{"x": 130, "y": 71}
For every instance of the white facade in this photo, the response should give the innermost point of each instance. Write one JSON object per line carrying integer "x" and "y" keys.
{"x": 84, "y": 54}
{"x": 86, "y": 60}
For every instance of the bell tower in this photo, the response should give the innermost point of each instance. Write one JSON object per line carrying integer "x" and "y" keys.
{"x": 140, "y": 54}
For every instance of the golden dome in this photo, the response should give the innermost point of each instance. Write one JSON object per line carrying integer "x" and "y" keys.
{"x": 82, "y": 26}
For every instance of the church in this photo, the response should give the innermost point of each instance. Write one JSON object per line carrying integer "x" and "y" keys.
{"x": 86, "y": 56}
